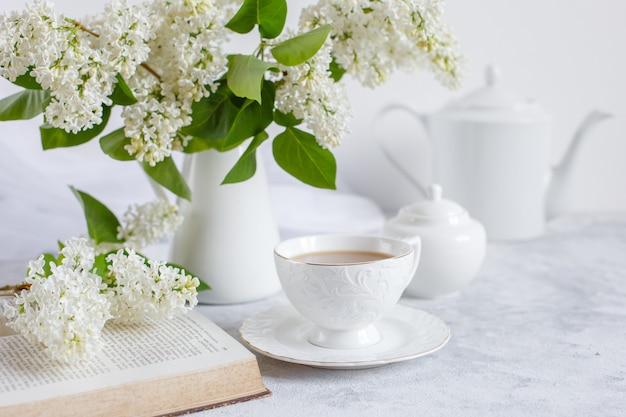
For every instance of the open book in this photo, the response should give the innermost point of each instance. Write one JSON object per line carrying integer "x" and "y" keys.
{"x": 158, "y": 368}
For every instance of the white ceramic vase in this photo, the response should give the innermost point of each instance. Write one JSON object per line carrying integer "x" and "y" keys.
{"x": 229, "y": 232}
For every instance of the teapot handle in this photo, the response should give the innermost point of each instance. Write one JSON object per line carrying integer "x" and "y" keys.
{"x": 382, "y": 144}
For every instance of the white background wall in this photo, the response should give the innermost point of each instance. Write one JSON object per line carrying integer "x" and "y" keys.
{"x": 567, "y": 54}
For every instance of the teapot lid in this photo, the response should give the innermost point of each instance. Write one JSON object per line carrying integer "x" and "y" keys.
{"x": 434, "y": 207}
{"x": 494, "y": 96}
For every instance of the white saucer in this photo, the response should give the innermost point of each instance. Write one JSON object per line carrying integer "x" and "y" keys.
{"x": 407, "y": 333}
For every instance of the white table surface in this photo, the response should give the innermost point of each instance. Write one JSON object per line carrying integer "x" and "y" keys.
{"x": 540, "y": 332}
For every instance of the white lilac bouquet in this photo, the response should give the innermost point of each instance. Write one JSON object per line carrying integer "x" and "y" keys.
{"x": 67, "y": 299}
{"x": 165, "y": 63}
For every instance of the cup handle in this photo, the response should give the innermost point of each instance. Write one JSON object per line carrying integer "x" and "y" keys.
{"x": 416, "y": 241}
{"x": 382, "y": 144}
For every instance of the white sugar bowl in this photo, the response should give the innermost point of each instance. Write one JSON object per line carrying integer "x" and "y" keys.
{"x": 453, "y": 244}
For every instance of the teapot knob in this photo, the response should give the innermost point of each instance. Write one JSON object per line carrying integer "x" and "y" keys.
{"x": 434, "y": 192}
{"x": 492, "y": 75}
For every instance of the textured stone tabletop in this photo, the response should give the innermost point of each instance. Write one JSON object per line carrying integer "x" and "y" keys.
{"x": 541, "y": 331}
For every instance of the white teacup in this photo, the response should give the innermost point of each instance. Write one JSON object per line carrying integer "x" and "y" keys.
{"x": 345, "y": 283}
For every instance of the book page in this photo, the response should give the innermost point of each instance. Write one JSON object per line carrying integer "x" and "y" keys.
{"x": 134, "y": 352}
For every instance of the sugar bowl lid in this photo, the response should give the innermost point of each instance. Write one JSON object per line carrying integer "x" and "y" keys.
{"x": 433, "y": 208}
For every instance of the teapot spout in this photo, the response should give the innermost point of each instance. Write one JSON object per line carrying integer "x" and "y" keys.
{"x": 557, "y": 199}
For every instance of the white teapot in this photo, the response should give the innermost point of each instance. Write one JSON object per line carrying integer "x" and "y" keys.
{"x": 453, "y": 244}
{"x": 491, "y": 154}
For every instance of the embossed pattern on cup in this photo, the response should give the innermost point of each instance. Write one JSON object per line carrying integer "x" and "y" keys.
{"x": 351, "y": 296}
{"x": 345, "y": 300}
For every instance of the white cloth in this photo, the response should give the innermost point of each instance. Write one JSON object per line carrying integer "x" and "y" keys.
{"x": 37, "y": 208}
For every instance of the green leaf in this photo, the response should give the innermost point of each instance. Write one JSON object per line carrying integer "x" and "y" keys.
{"x": 47, "y": 258}
{"x": 27, "y": 81}
{"x": 245, "y": 125}
{"x": 270, "y": 15}
{"x": 245, "y": 18}
{"x": 100, "y": 266}
{"x": 224, "y": 120}
{"x": 336, "y": 70}
{"x": 287, "y": 120}
{"x": 203, "y": 285}
{"x": 53, "y": 137}
{"x": 23, "y": 105}
{"x": 167, "y": 174}
{"x": 213, "y": 117}
{"x": 196, "y": 144}
{"x": 245, "y": 167}
{"x": 299, "y": 49}
{"x": 245, "y": 75}
{"x": 102, "y": 224}
{"x": 298, "y": 153}
{"x": 113, "y": 145}
{"x": 252, "y": 118}
{"x": 122, "y": 94}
